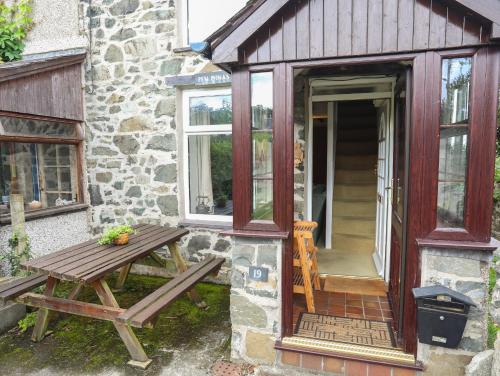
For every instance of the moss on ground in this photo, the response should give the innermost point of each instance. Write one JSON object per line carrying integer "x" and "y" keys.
{"x": 82, "y": 345}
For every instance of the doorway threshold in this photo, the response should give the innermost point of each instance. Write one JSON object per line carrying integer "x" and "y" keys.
{"x": 394, "y": 357}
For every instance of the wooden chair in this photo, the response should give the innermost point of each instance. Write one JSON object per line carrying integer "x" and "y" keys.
{"x": 305, "y": 264}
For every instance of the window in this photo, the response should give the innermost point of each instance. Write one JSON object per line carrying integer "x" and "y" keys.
{"x": 208, "y": 171}
{"x": 198, "y": 25}
{"x": 453, "y": 148}
{"x": 45, "y": 173}
{"x": 262, "y": 145}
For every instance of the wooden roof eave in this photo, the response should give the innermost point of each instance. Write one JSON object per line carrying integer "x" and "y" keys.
{"x": 224, "y": 47}
{"x": 40, "y": 63}
{"x": 224, "y": 43}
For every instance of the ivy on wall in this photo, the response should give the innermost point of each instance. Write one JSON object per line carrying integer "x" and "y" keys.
{"x": 15, "y": 22}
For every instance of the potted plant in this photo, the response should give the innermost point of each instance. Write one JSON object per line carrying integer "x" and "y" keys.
{"x": 117, "y": 235}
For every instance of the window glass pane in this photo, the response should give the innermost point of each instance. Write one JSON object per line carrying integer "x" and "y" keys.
{"x": 452, "y": 177}
{"x": 262, "y": 145}
{"x": 210, "y": 110}
{"x": 210, "y": 174}
{"x": 18, "y": 126}
{"x": 455, "y": 84}
{"x": 200, "y": 26}
{"x": 44, "y": 174}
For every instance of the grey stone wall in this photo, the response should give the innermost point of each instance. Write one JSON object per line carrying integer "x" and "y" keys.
{"x": 132, "y": 141}
{"x": 255, "y": 306}
{"x": 466, "y": 272}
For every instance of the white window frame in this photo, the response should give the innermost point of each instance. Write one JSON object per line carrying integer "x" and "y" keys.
{"x": 199, "y": 130}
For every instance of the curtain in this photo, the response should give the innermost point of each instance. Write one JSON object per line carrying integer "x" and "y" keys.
{"x": 200, "y": 175}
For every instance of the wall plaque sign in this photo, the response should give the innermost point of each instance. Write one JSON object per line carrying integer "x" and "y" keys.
{"x": 258, "y": 274}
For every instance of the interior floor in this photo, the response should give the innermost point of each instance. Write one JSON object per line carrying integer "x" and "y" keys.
{"x": 354, "y": 262}
{"x": 334, "y": 307}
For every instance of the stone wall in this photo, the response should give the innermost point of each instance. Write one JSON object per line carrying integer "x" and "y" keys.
{"x": 56, "y": 27}
{"x": 51, "y": 233}
{"x": 255, "y": 306}
{"x": 132, "y": 139}
{"x": 466, "y": 272}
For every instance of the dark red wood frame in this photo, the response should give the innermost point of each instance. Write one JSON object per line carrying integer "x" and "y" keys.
{"x": 423, "y": 166}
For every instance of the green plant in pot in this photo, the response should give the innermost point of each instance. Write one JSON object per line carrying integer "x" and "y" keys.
{"x": 117, "y": 235}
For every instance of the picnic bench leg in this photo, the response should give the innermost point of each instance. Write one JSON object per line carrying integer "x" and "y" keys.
{"x": 122, "y": 277}
{"x": 42, "y": 318}
{"x": 181, "y": 268}
{"x": 134, "y": 347}
{"x": 75, "y": 292}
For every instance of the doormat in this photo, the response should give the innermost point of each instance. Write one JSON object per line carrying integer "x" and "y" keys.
{"x": 346, "y": 330}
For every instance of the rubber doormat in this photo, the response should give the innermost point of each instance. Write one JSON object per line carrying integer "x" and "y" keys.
{"x": 346, "y": 330}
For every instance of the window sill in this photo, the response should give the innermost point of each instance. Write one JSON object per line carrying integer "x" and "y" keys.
{"x": 457, "y": 244}
{"x": 181, "y": 50}
{"x": 212, "y": 225}
{"x": 43, "y": 213}
{"x": 257, "y": 234}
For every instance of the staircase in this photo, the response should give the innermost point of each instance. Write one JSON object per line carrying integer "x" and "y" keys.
{"x": 355, "y": 186}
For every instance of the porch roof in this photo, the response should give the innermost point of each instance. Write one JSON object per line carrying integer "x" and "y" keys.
{"x": 224, "y": 44}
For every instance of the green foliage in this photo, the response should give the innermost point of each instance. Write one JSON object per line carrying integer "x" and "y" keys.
{"x": 492, "y": 333}
{"x": 111, "y": 234}
{"x": 15, "y": 22}
{"x": 14, "y": 256}
{"x": 27, "y": 322}
{"x": 496, "y": 192}
{"x": 221, "y": 150}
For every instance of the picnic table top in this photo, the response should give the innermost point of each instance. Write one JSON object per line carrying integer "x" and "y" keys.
{"x": 87, "y": 262}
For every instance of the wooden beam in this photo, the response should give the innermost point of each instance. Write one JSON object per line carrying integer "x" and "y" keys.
{"x": 42, "y": 319}
{"x": 74, "y": 307}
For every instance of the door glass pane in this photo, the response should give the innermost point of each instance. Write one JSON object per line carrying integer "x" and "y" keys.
{"x": 455, "y": 83}
{"x": 262, "y": 145}
{"x": 452, "y": 177}
{"x": 210, "y": 174}
{"x": 210, "y": 110}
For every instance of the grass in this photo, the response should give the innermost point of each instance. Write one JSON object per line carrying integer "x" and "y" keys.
{"x": 82, "y": 345}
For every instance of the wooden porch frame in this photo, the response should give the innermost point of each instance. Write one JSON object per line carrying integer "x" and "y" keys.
{"x": 422, "y": 180}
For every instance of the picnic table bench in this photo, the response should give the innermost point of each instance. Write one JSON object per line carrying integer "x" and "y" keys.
{"x": 87, "y": 264}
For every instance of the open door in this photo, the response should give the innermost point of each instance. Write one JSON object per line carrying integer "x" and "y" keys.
{"x": 384, "y": 174}
{"x": 399, "y": 196}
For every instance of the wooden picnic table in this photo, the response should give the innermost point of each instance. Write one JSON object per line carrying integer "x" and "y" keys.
{"x": 88, "y": 264}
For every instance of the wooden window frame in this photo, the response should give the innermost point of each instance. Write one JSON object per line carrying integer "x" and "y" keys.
{"x": 479, "y": 181}
{"x": 76, "y": 141}
{"x": 242, "y": 152}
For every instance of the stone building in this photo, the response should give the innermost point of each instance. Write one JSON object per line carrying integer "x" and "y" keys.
{"x": 157, "y": 131}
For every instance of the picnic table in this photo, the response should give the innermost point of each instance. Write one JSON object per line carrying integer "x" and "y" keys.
{"x": 88, "y": 264}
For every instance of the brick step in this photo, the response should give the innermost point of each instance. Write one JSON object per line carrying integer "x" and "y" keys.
{"x": 347, "y": 176}
{"x": 356, "y": 162}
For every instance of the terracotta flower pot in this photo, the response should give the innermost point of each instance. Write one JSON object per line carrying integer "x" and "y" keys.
{"x": 121, "y": 240}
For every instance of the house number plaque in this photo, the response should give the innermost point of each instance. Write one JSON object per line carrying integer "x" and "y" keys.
{"x": 258, "y": 274}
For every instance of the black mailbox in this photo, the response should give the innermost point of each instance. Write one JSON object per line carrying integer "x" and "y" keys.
{"x": 441, "y": 315}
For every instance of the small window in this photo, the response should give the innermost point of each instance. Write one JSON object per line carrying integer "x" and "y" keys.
{"x": 208, "y": 173}
{"x": 453, "y": 148}
{"x": 198, "y": 25}
{"x": 45, "y": 173}
{"x": 262, "y": 145}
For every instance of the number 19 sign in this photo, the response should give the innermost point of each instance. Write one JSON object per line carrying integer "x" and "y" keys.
{"x": 258, "y": 274}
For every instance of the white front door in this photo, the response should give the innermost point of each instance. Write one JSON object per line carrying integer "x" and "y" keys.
{"x": 384, "y": 172}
